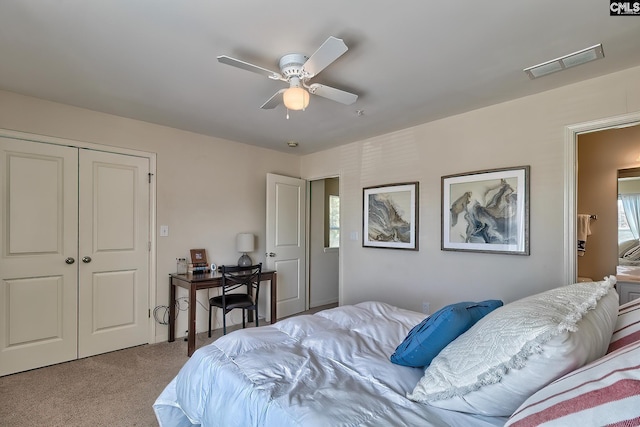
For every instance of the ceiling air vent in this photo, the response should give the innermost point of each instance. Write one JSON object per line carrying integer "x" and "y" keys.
{"x": 571, "y": 60}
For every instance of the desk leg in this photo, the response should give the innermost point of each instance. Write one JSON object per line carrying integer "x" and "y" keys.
{"x": 274, "y": 297}
{"x": 191, "y": 346}
{"x": 172, "y": 311}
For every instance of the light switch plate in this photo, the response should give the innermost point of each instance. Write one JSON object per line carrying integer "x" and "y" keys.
{"x": 164, "y": 230}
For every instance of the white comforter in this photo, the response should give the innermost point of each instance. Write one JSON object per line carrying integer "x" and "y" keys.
{"x": 328, "y": 369}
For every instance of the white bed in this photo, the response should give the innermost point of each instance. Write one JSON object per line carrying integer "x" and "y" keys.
{"x": 327, "y": 369}
{"x": 566, "y": 356}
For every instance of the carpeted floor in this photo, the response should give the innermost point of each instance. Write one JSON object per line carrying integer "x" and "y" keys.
{"x": 112, "y": 389}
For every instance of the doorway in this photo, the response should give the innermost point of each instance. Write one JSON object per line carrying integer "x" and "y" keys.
{"x": 302, "y": 241}
{"x": 324, "y": 241}
{"x": 571, "y": 184}
{"x": 602, "y": 155}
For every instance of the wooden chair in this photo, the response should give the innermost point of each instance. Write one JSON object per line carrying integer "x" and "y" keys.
{"x": 233, "y": 278}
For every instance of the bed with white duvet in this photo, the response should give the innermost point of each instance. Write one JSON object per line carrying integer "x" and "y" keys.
{"x": 564, "y": 357}
{"x": 327, "y": 369}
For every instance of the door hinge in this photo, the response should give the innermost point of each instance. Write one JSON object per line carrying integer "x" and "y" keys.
{"x": 149, "y": 313}
{"x": 149, "y": 246}
{"x": 150, "y": 175}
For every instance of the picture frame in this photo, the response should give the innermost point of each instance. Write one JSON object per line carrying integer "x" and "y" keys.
{"x": 390, "y": 216}
{"x": 198, "y": 256}
{"x": 486, "y": 211}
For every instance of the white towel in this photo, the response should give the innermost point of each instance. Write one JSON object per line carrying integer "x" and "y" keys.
{"x": 584, "y": 230}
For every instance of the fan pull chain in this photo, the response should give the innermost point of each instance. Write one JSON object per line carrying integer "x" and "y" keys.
{"x": 287, "y": 114}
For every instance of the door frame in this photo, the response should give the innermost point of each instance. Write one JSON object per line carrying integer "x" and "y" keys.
{"x": 571, "y": 182}
{"x": 31, "y": 137}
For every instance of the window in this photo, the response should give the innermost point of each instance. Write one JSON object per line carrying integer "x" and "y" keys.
{"x": 624, "y": 231}
{"x": 334, "y": 221}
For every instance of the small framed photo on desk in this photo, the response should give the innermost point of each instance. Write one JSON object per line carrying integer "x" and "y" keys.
{"x": 198, "y": 256}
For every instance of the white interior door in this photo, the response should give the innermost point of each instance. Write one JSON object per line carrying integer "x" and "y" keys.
{"x": 285, "y": 241}
{"x": 113, "y": 251}
{"x": 38, "y": 289}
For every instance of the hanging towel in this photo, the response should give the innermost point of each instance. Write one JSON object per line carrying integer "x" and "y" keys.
{"x": 584, "y": 230}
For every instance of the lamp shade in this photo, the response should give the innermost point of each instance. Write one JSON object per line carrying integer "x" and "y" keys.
{"x": 296, "y": 98}
{"x": 244, "y": 242}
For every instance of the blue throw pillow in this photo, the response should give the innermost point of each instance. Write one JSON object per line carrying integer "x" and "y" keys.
{"x": 434, "y": 333}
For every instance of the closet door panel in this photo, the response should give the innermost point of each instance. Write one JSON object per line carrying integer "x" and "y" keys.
{"x": 114, "y": 252}
{"x": 38, "y": 271}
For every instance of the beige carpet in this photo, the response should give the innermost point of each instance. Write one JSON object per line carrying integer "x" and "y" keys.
{"x": 113, "y": 389}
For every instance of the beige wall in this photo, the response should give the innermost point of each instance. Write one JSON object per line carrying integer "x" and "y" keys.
{"x": 197, "y": 176}
{"x": 527, "y": 131}
{"x": 600, "y": 155}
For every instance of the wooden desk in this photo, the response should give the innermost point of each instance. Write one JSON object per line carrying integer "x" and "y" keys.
{"x": 205, "y": 281}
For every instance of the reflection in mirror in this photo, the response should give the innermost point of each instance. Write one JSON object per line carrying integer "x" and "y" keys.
{"x": 629, "y": 224}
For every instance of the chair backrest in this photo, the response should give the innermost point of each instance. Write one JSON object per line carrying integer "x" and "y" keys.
{"x": 234, "y": 276}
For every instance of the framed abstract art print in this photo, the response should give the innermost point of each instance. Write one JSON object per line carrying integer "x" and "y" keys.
{"x": 486, "y": 211}
{"x": 390, "y": 216}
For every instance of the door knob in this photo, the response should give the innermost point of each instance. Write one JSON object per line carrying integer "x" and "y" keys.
{"x": 270, "y": 254}
{"x": 86, "y": 259}
{"x": 69, "y": 260}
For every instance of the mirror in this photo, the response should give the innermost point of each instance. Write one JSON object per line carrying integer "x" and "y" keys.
{"x": 629, "y": 222}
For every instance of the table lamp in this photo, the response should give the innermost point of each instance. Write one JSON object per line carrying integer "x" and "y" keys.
{"x": 244, "y": 244}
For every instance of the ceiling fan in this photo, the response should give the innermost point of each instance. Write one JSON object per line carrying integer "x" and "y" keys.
{"x": 297, "y": 69}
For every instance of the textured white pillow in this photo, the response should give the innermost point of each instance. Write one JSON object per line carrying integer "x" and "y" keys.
{"x": 519, "y": 348}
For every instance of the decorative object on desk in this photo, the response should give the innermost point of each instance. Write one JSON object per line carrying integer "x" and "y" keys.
{"x": 198, "y": 256}
{"x": 199, "y": 262}
{"x": 182, "y": 266}
{"x": 244, "y": 244}
{"x": 486, "y": 211}
{"x": 390, "y": 216}
{"x": 198, "y": 268}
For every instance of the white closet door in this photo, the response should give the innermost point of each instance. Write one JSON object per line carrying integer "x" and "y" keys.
{"x": 113, "y": 252}
{"x": 38, "y": 262}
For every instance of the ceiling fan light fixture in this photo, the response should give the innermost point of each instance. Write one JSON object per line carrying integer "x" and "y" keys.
{"x": 297, "y": 69}
{"x": 295, "y": 98}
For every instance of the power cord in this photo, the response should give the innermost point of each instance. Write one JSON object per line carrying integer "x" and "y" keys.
{"x": 161, "y": 312}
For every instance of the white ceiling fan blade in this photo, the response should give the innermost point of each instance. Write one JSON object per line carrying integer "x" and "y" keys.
{"x": 249, "y": 67}
{"x": 330, "y": 50}
{"x": 333, "y": 94}
{"x": 274, "y": 101}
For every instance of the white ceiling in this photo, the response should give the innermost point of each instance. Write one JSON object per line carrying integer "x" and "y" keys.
{"x": 410, "y": 61}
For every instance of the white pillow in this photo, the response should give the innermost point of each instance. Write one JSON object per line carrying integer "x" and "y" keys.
{"x": 632, "y": 254}
{"x": 519, "y": 348}
{"x": 605, "y": 392}
{"x": 623, "y": 247}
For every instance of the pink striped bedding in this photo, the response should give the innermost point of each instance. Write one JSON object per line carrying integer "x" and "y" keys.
{"x": 605, "y": 392}
{"x": 627, "y": 329}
